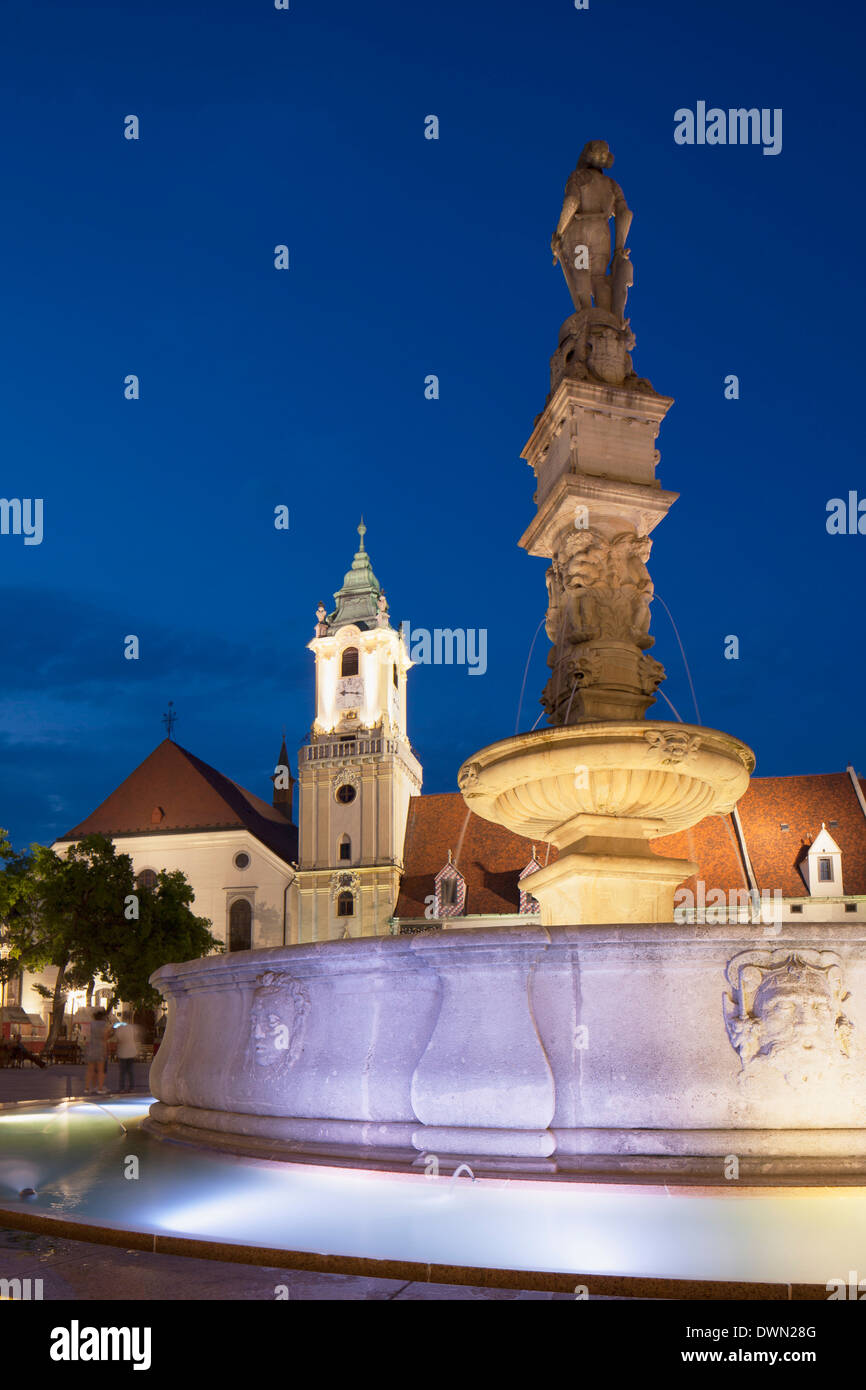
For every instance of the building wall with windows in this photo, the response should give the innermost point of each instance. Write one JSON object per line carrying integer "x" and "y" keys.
{"x": 225, "y": 868}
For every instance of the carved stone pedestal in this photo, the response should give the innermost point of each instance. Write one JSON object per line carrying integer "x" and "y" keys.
{"x": 587, "y": 884}
{"x": 594, "y": 456}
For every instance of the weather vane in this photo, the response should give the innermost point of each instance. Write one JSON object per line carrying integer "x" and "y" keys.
{"x": 169, "y": 719}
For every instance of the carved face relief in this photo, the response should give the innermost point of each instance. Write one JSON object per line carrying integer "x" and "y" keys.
{"x": 651, "y": 673}
{"x": 672, "y": 747}
{"x": 271, "y": 1034}
{"x": 467, "y": 778}
{"x": 786, "y": 1012}
{"x": 277, "y": 1018}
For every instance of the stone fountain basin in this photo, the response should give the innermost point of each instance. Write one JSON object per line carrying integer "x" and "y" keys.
{"x": 570, "y": 1049}
{"x": 632, "y": 780}
{"x": 666, "y": 1240}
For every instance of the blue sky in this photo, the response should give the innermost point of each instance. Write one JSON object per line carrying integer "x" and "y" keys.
{"x": 306, "y": 387}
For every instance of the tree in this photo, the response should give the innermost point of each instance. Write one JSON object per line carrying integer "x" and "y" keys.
{"x": 15, "y": 904}
{"x": 70, "y": 911}
{"x": 166, "y": 931}
{"x": 71, "y": 915}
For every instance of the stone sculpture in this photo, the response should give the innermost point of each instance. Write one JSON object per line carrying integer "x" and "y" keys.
{"x": 599, "y": 591}
{"x": 596, "y": 341}
{"x": 593, "y": 785}
{"x": 277, "y": 1015}
{"x": 785, "y": 1011}
{"x": 581, "y": 242}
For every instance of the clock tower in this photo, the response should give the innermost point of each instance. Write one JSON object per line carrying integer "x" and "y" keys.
{"x": 357, "y": 771}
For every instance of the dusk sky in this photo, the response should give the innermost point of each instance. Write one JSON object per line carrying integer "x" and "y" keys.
{"x": 305, "y": 387}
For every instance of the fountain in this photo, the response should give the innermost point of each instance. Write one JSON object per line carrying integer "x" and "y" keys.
{"x": 608, "y": 1038}
{"x": 607, "y": 1045}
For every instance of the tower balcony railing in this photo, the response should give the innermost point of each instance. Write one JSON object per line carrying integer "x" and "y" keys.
{"x": 347, "y": 747}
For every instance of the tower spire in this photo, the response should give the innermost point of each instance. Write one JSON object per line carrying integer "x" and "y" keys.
{"x": 358, "y": 599}
{"x": 284, "y": 782}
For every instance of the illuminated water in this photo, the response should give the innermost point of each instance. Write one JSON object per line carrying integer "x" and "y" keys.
{"x": 75, "y": 1156}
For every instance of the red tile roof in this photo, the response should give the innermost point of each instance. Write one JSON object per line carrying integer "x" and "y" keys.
{"x": 192, "y": 796}
{"x": 802, "y": 803}
{"x": 490, "y": 857}
{"x": 712, "y": 845}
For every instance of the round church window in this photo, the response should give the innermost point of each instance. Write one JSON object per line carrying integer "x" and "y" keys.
{"x": 242, "y": 860}
{"x": 346, "y": 793}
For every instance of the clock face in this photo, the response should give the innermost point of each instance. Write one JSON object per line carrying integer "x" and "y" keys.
{"x": 350, "y": 692}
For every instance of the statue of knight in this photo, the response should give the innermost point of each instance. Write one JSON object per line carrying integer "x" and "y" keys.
{"x": 581, "y": 242}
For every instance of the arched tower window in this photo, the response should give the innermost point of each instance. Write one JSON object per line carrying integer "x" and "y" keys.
{"x": 240, "y": 925}
{"x": 146, "y": 879}
{"x": 345, "y": 847}
{"x": 349, "y": 664}
{"x": 345, "y": 905}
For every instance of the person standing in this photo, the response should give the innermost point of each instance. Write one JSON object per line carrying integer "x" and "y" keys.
{"x": 127, "y": 1051}
{"x": 94, "y": 1053}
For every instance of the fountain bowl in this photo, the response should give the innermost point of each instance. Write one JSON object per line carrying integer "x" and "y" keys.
{"x": 600, "y": 793}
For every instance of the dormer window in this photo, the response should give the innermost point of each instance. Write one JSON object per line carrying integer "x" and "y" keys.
{"x": 527, "y": 902}
{"x": 821, "y": 866}
{"x": 450, "y": 891}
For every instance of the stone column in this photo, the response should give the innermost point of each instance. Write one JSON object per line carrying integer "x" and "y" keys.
{"x": 594, "y": 456}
